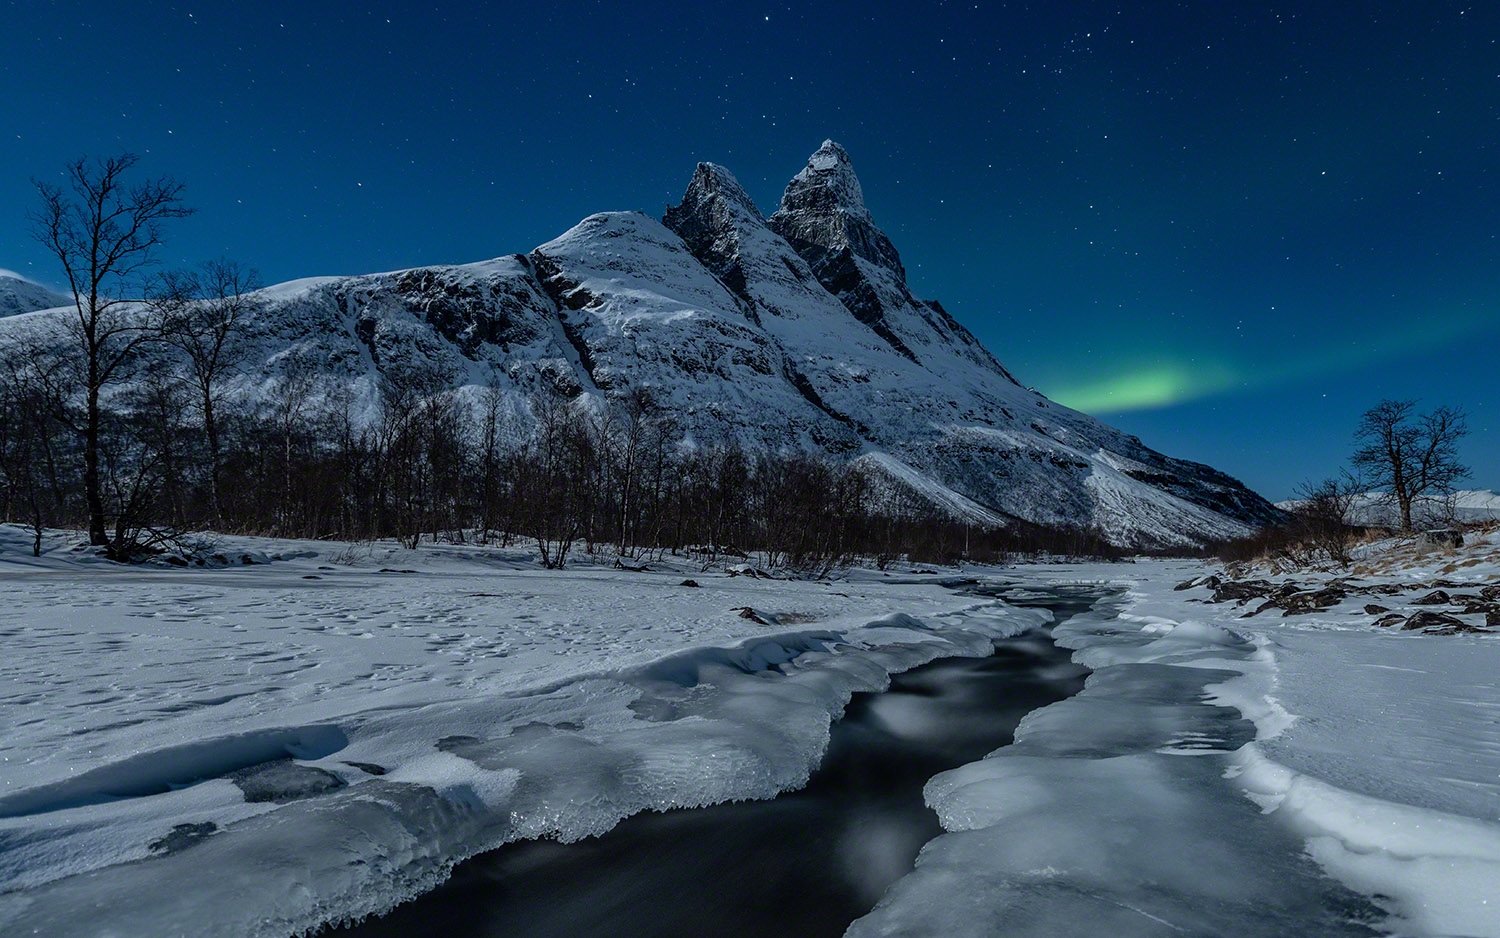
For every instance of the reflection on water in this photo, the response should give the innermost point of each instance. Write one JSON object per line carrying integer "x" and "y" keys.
{"x": 805, "y": 863}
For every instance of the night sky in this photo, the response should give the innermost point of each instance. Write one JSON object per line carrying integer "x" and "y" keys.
{"x": 1228, "y": 228}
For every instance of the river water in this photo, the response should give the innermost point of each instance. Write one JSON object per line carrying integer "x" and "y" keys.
{"x": 806, "y": 863}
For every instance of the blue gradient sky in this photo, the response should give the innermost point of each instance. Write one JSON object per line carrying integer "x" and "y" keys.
{"x": 1228, "y": 228}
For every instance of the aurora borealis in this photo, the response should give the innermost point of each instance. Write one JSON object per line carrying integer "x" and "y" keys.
{"x": 1227, "y": 228}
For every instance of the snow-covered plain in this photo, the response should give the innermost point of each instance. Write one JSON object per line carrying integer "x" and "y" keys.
{"x": 253, "y": 749}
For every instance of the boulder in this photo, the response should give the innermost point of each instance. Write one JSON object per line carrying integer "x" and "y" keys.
{"x": 1432, "y": 620}
{"x": 1434, "y": 598}
{"x": 1444, "y": 539}
{"x": 1312, "y": 601}
{"x": 1375, "y": 610}
{"x": 1241, "y": 589}
{"x": 1458, "y": 629}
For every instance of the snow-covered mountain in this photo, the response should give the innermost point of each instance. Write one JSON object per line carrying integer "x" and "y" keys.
{"x": 1375, "y": 508}
{"x": 793, "y": 330}
{"x": 19, "y": 295}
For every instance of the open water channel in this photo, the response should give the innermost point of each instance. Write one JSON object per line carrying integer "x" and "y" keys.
{"x": 806, "y": 863}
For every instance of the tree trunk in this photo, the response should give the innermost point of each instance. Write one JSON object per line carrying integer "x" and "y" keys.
{"x": 211, "y": 429}
{"x": 98, "y": 535}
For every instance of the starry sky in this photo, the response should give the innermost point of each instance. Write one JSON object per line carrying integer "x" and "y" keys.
{"x": 1228, "y": 228}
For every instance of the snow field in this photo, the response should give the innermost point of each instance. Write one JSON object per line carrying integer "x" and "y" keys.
{"x": 245, "y": 751}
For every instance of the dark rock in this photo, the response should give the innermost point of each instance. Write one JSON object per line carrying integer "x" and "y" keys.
{"x": 1434, "y": 598}
{"x": 692, "y": 583}
{"x": 1432, "y": 620}
{"x": 1375, "y": 610}
{"x": 1186, "y": 584}
{"x": 1287, "y": 590}
{"x": 182, "y": 836}
{"x": 311, "y": 576}
{"x": 283, "y": 780}
{"x": 175, "y": 560}
{"x": 1459, "y": 629}
{"x": 1492, "y": 618}
{"x": 1439, "y": 540}
{"x": 1491, "y": 592}
{"x": 1241, "y": 589}
{"x": 1268, "y": 604}
{"x": 1394, "y": 618}
{"x": 248, "y": 561}
{"x": 748, "y": 613}
{"x": 1312, "y": 601}
{"x": 369, "y": 768}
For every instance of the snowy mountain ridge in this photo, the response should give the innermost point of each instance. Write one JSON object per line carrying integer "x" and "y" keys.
{"x": 19, "y": 295}
{"x": 793, "y": 330}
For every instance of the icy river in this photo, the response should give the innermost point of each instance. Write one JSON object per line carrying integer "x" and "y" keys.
{"x": 1119, "y": 816}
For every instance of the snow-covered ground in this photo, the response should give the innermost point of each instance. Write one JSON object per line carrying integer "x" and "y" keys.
{"x": 250, "y": 749}
{"x": 253, "y": 749}
{"x": 1372, "y": 751}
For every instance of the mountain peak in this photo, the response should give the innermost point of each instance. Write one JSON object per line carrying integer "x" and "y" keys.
{"x": 823, "y": 211}
{"x": 712, "y": 181}
{"x": 711, "y": 218}
{"x": 829, "y": 179}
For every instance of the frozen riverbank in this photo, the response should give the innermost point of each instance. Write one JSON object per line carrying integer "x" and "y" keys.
{"x": 803, "y": 864}
{"x": 1223, "y": 776}
{"x": 259, "y": 749}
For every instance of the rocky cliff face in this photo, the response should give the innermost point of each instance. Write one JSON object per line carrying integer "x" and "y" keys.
{"x": 793, "y": 330}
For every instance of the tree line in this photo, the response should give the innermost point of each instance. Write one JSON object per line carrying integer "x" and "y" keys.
{"x": 429, "y": 462}
{"x": 121, "y": 420}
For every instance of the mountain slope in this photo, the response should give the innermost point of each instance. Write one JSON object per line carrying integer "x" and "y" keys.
{"x": 19, "y": 295}
{"x": 796, "y": 330}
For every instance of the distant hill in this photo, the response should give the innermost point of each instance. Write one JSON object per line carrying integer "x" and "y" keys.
{"x": 19, "y": 295}
{"x": 1466, "y": 506}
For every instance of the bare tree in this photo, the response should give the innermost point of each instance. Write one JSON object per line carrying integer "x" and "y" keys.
{"x": 1321, "y": 519}
{"x": 29, "y": 483}
{"x": 204, "y": 314}
{"x": 290, "y": 405}
{"x": 1410, "y": 456}
{"x": 105, "y": 233}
